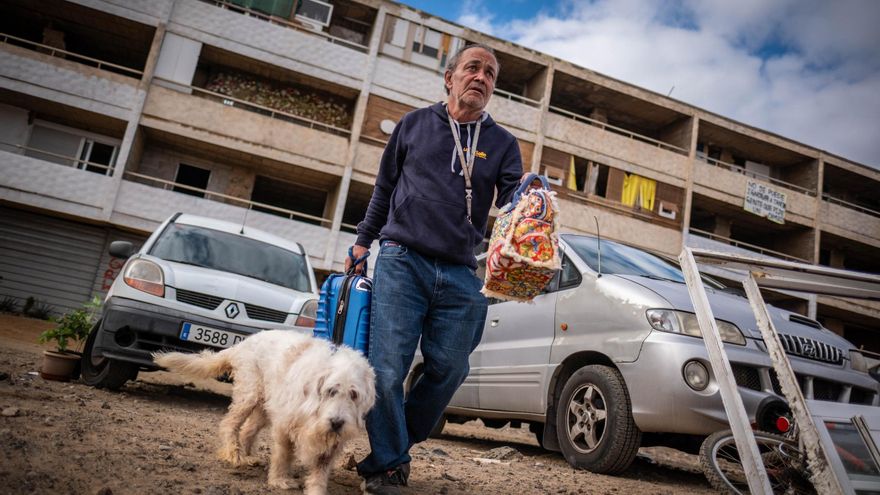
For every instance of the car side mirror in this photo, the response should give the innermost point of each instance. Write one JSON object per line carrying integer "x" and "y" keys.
{"x": 121, "y": 249}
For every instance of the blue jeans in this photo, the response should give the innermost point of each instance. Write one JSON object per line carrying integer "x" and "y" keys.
{"x": 415, "y": 297}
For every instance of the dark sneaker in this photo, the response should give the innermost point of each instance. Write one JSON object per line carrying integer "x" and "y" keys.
{"x": 386, "y": 483}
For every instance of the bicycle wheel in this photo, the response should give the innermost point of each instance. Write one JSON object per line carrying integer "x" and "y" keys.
{"x": 785, "y": 464}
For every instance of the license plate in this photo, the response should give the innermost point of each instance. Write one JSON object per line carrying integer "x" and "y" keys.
{"x": 209, "y": 336}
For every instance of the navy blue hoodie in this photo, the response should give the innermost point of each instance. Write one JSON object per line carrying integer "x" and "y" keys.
{"x": 419, "y": 198}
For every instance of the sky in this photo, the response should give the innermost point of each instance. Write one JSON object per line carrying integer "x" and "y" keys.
{"x": 808, "y": 70}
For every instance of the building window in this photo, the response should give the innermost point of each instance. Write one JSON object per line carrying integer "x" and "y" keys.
{"x": 429, "y": 48}
{"x": 72, "y": 147}
{"x": 194, "y": 177}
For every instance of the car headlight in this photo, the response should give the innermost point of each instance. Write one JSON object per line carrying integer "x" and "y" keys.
{"x": 667, "y": 320}
{"x": 146, "y": 276}
{"x": 859, "y": 363}
{"x": 308, "y": 314}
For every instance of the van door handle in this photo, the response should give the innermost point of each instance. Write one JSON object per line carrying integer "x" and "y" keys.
{"x": 494, "y": 322}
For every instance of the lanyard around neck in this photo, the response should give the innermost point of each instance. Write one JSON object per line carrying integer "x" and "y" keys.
{"x": 467, "y": 164}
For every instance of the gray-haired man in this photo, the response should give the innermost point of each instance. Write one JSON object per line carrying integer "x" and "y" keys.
{"x": 438, "y": 175}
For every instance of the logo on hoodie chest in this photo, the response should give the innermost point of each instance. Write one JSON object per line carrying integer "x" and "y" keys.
{"x": 480, "y": 154}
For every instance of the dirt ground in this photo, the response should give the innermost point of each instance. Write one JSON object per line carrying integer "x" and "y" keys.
{"x": 157, "y": 435}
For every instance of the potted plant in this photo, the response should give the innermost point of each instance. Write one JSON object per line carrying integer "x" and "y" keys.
{"x": 72, "y": 328}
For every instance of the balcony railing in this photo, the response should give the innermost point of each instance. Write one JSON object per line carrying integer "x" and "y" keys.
{"x": 278, "y": 21}
{"x": 263, "y": 110}
{"x": 846, "y": 204}
{"x": 740, "y": 170}
{"x": 517, "y": 98}
{"x": 746, "y": 245}
{"x": 618, "y": 130}
{"x": 74, "y": 161}
{"x": 211, "y": 195}
{"x": 55, "y": 52}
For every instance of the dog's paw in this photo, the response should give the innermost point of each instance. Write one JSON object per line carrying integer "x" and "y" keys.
{"x": 232, "y": 455}
{"x": 252, "y": 461}
{"x": 284, "y": 483}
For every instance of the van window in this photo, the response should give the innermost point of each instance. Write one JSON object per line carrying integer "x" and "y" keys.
{"x": 570, "y": 277}
{"x": 620, "y": 259}
{"x": 232, "y": 253}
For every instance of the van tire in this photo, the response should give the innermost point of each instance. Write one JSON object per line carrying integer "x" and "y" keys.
{"x": 100, "y": 372}
{"x": 594, "y": 421}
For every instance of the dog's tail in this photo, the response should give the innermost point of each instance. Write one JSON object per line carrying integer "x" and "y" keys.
{"x": 206, "y": 364}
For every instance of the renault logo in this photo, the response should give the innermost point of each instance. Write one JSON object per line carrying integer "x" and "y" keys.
{"x": 232, "y": 310}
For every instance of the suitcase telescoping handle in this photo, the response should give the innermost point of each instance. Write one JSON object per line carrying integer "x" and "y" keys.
{"x": 356, "y": 261}
{"x": 525, "y": 184}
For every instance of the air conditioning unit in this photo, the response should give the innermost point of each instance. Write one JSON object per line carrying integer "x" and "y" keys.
{"x": 315, "y": 13}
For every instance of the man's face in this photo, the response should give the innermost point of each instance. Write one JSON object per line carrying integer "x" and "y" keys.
{"x": 473, "y": 80}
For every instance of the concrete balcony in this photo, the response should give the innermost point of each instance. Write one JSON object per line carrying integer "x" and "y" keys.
{"x": 707, "y": 240}
{"x": 144, "y": 11}
{"x": 848, "y": 220}
{"x": 74, "y": 80}
{"x": 578, "y": 217}
{"x": 236, "y": 124}
{"x": 515, "y": 111}
{"x": 315, "y": 54}
{"x": 728, "y": 183}
{"x": 142, "y": 206}
{"x": 409, "y": 79}
{"x": 617, "y": 143}
{"x": 367, "y": 158}
{"x": 50, "y": 186}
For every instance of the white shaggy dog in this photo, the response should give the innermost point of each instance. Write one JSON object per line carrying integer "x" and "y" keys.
{"x": 314, "y": 397}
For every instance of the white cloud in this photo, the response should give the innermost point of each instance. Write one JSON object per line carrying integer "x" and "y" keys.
{"x": 805, "y": 69}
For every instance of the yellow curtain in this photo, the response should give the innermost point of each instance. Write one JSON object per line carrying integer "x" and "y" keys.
{"x": 647, "y": 190}
{"x": 630, "y": 189}
{"x": 572, "y": 176}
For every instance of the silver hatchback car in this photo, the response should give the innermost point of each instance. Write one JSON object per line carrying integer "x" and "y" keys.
{"x": 610, "y": 357}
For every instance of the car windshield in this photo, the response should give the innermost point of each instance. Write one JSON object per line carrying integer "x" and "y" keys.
{"x": 620, "y": 259}
{"x": 232, "y": 253}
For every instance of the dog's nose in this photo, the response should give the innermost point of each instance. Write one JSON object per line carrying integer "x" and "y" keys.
{"x": 336, "y": 423}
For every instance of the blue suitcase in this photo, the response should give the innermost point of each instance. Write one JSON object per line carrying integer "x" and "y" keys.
{"x": 344, "y": 308}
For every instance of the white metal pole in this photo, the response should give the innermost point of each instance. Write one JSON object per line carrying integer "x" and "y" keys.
{"x": 733, "y": 405}
{"x": 824, "y": 479}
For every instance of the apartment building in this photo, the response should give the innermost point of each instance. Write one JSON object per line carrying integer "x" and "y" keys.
{"x": 116, "y": 114}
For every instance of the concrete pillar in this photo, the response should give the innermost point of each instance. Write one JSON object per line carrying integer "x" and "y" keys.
{"x": 723, "y": 226}
{"x": 128, "y": 139}
{"x": 360, "y": 111}
{"x": 837, "y": 258}
{"x": 817, "y": 216}
{"x": 538, "y": 150}
{"x": 599, "y": 115}
{"x": 689, "y": 182}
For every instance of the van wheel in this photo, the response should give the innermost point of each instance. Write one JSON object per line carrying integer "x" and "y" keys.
{"x": 100, "y": 372}
{"x": 594, "y": 421}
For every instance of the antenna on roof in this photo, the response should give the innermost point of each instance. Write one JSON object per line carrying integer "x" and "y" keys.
{"x": 244, "y": 219}
{"x": 670, "y": 91}
{"x": 599, "y": 246}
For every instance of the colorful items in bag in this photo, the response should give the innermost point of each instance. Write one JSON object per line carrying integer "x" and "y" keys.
{"x": 524, "y": 248}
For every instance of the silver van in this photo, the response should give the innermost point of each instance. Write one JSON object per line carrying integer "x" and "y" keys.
{"x": 196, "y": 283}
{"x": 610, "y": 358}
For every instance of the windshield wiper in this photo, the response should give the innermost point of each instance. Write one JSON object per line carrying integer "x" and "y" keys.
{"x": 658, "y": 277}
{"x": 193, "y": 263}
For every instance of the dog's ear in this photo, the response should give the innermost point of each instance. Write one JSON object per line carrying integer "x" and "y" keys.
{"x": 315, "y": 386}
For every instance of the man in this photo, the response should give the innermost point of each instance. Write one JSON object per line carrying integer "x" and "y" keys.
{"x": 438, "y": 175}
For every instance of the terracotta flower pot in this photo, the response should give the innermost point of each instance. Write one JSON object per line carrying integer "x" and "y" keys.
{"x": 59, "y": 366}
